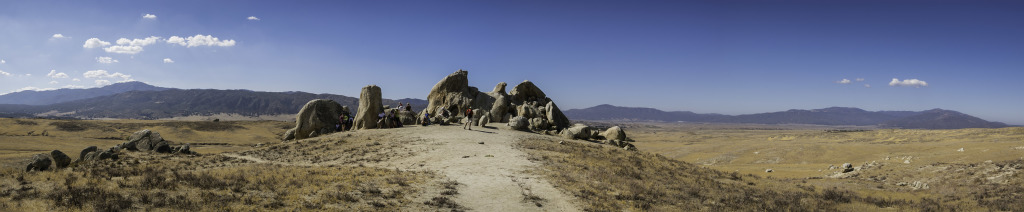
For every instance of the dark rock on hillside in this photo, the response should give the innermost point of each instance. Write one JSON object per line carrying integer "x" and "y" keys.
{"x": 40, "y": 162}
{"x": 60, "y": 159}
{"x": 941, "y": 119}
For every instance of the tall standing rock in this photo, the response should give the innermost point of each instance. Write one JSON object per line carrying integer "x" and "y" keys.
{"x": 315, "y": 116}
{"x": 556, "y": 117}
{"x": 369, "y": 106}
{"x": 452, "y": 93}
{"x": 500, "y": 107}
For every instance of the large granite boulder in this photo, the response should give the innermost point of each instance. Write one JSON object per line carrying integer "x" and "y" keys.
{"x": 539, "y": 125}
{"x": 526, "y": 91}
{"x": 519, "y": 123}
{"x": 407, "y": 117}
{"x": 318, "y": 115}
{"x": 60, "y": 159}
{"x": 289, "y": 135}
{"x": 577, "y": 131}
{"x": 454, "y": 94}
{"x": 40, "y": 162}
{"x": 614, "y": 133}
{"x": 555, "y": 116}
{"x": 369, "y": 107}
{"x": 146, "y": 140}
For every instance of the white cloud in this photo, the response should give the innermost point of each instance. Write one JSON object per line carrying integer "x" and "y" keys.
{"x": 3, "y": 61}
{"x": 138, "y": 42}
{"x": 76, "y": 79}
{"x": 4, "y": 73}
{"x": 105, "y": 60}
{"x": 30, "y": 88}
{"x": 95, "y": 43}
{"x": 844, "y": 81}
{"x": 149, "y": 16}
{"x": 28, "y": 75}
{"x": 101, "y": 74}
{"x": 73, "y": 86}
{"x": 176, "y": 40}
{"x": 168, "y": 60}
{"x": 54, "y": 74}
{"x": 123, "y": 49}
{"x": 200, "y": 40}
{"x": 867, "y": 86}
{"x": 58, "y": 35}
{"x": 102, "y": 82}
{"x": 859, "y": 79}
{"x": 253, "y": 18}
{"x": 907, "y": 82}
{"x": 54, "y": 82}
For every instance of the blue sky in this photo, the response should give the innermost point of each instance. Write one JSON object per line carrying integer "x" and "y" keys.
{"x": 729, "y": 57}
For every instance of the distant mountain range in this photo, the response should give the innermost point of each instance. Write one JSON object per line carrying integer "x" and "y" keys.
{"x": 137, "y": 100}
{"x": 70, "y": 94}
{"x": 930, "y": 119}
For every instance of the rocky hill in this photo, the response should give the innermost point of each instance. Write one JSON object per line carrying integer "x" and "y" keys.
{"x": 68, "y": 94}
{"x": 611, "y": 112}
{"x": 941, "y": 119}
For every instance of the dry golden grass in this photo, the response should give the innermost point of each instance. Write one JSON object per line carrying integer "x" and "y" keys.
{"x": 21, "y": 138}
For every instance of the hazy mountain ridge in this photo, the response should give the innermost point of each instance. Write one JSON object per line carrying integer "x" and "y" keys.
{"x": 69, "y": 94}
{"x": 168, "y": 103}
{"x": 931, "y": 119}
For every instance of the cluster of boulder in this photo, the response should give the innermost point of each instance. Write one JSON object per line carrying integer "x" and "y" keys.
{"x": 526, "y": 107}
{"x": 143, "y": 140}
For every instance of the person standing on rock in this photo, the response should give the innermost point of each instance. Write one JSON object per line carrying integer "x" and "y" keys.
{"x": 469, "y": 119}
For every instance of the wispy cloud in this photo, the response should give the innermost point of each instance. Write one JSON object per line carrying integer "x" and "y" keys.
{"x": 149, "y": 16}
{"x": 105, "y": 60}
{"x": 54, "y": 74}
{"x": 2, "y": 73}
{"x": 123, "y": 49}
{"x": 168, "y": 60}
{"x": 54, "y": 82}
{"x": 57, "y": 36}
{"x": 103, "y": 74}
{"x": 844, "y": 81}
{"x": 867, "y": 85}
{"x": 3, "y": 61}
{"x": 253, "y": 18}
{"x": 908, "y": 83}
{"x": 102, "y": 82}
{"x": 95, "y": 43}
{"x": 138, "y": 42}
{"x": 76, "y": 79}
{"x": 200, "y": 40}
{"x": 859, "y": 79}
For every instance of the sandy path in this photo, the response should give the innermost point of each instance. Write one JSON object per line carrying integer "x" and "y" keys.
{"x": 493, "y": 176}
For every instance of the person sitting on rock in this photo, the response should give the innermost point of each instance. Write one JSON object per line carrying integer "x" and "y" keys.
{"x": 408, "y": 106}
{"x": 469, "y": 119}
{"x": 400, "y": 106}
{"x": 380, "y": 121}
{"x": 426, "y": 119}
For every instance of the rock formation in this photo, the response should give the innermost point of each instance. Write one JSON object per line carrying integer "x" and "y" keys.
{"x": 614, "y": 133}
{"x": 146, "y": 140}
{"x": 519, "y": 123}
{"x": 525, "y": 92}
{"x": 454, "y": 94}
{"x": 555, "y": 116}
{"x": 369, "y": 107}
{"x": 318, "y": 116}
{"x": 577, "y": 131}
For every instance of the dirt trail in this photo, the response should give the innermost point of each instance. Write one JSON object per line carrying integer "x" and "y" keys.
{"x": 493, "y": 176}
